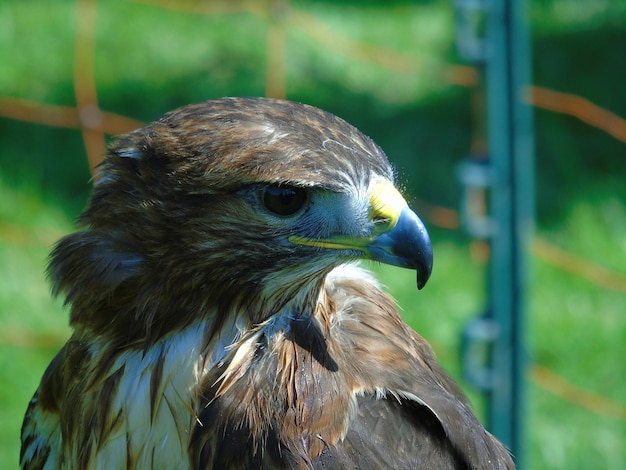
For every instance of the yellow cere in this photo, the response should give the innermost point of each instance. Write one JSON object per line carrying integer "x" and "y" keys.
{"x": 386, "y": 204}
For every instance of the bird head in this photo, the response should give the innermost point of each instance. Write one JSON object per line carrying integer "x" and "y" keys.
{"x": 238, "y": 201}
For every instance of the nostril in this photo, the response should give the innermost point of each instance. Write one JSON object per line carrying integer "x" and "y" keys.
{"x": 381, "y": 224}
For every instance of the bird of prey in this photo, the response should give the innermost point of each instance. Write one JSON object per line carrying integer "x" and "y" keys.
{"x": 220, "y": 318}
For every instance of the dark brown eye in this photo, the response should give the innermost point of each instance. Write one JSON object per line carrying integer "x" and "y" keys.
{"x": 284, "y": 200}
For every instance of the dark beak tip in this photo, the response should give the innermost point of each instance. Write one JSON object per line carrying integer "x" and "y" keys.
{"x": 424, "y": 271}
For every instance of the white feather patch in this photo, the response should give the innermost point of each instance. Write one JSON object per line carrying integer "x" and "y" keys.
{"x": 184, "y": 363}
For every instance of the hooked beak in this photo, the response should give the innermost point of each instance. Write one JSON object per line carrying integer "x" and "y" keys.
{"x": 399, "y": 237}
{"x": 406, "y": 245}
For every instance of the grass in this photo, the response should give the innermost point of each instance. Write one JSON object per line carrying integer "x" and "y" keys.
{"x": 576, "y": 328}
{"x": 578, "y": 332}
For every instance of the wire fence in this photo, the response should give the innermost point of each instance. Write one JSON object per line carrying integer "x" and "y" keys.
{"x": 94, "y": 123}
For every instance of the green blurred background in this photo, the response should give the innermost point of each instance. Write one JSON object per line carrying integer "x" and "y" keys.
{"x": 391, "y": 69}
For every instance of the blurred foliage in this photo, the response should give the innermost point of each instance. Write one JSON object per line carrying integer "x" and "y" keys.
{"x": 150, "y": 59}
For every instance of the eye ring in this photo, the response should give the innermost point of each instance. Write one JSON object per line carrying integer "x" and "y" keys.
{"x": 284, "y": 200}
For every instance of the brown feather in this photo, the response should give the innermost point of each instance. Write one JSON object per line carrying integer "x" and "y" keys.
{"x": 204, "y": 338}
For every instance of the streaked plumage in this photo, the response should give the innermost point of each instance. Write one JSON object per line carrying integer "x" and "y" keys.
{"x": 218, "y": 320}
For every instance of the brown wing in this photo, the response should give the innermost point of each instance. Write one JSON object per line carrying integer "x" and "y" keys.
{"x": 417, "y": 417}
{"x": 390, "y": 433}
{"x": 400, "y": 433}
{"x": 349, "y": 387}
{"x": 41, "y": 429}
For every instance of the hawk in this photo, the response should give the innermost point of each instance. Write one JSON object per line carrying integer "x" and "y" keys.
{"x": 220, "y": 321}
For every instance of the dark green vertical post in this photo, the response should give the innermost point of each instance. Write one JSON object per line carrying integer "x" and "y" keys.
{"x": 495, "y": 34}
{"x": 510, "y": 140}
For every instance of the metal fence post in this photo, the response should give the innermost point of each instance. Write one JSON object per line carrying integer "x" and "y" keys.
{"x": 507, "y": 176}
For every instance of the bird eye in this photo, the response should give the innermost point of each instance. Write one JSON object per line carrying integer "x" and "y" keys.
{"x": 284, "y": 200}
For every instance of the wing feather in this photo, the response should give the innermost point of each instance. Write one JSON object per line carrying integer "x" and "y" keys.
{"x": 422, "y": 409}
